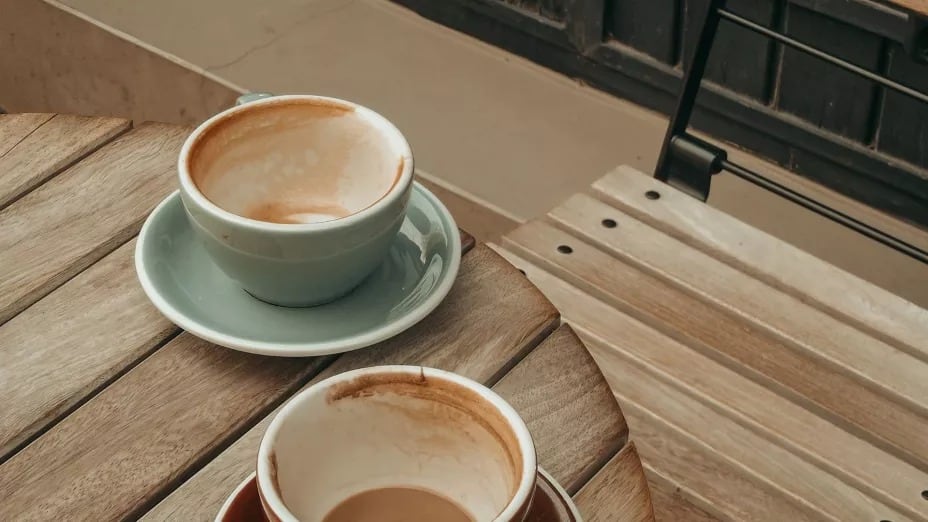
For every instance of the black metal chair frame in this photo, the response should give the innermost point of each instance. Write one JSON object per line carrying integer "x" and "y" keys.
{"x": 688, "y": 163}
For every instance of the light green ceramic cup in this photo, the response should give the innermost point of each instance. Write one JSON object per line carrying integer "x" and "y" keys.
{"x": 297, "y": 198}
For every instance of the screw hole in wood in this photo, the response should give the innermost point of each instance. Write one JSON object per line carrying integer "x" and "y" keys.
{"x": 652, "y": 194}
{"x": 609, "y": 223}
{"x": 925, "y": 494}
{"x": 564, "y": 249}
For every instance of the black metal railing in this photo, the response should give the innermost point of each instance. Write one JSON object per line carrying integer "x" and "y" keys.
{"x": 689, "y": 163}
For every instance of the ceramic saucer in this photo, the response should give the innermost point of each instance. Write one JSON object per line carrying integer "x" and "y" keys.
{"x": 189, "y": 289}
{"x": 550, "y": 503}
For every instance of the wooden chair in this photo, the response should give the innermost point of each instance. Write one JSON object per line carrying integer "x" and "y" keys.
{"x": 759, "y": 382}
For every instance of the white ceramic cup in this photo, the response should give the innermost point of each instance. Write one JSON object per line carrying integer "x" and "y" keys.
{"x": 397, "y": 426}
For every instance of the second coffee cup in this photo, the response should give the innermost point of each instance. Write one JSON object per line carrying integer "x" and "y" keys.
{"x": 397, "y": 443}
{"x": 297, "y": 198}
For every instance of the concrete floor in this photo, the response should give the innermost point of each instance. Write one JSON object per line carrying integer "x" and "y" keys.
{"x": 507, "y": 139}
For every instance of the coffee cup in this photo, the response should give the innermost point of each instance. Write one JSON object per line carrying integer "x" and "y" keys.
{"x": 396, "y": 443}
{"x": 297, "y": 198}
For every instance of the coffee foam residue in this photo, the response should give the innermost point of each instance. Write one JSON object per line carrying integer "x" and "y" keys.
{"x": 233, "y": 125}
{"x": 465, "y": 404}
{"x": 295, "y": 212}
{"x": 399, "y": 173}
{"x": 272, "y": 464}
{"x": 294, "y": 162}
{"x": 275, "y": 484}
{"x": 368, "y": 385}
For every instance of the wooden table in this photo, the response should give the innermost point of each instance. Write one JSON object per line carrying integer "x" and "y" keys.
{"x": 110, "y": 412}
{"x": 761, "y": 383}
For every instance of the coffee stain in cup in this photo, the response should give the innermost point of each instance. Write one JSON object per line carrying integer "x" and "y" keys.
{"x": 214, "y": 141}
{"x": 285, "y": 162}
{"x": 275, "y": 484}
{"x": 295, "y": 212}
{"x": 464, "y": 406}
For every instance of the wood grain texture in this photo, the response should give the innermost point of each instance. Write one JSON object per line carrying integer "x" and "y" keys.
{"x": 619, "y": 492}
{"x": 491, "y": 319}
{"x": 14, "y": 128}
{"x": 618, "y": 341}
{"x": 835, "y": 451}
{"x": 71, "y": 342}
{"x": 876, "y": 311}
{"x": 814, "y": 333}
{"x": 143, "y": 433}
{"x": 670, "y": 505}
{"x": 565, "y": 401}
{"x": 199, "y": 396}
{"x": 710, "y": 481}
{"x": 76, "y": 218}
{"x": 51, "y": 147}
{"x": 793, "y": 476}
{"x": 782, "y": 422}
{"x": 736, "y": 343}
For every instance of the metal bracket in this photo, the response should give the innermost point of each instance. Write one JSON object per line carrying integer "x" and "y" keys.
{"x": 692, "y": 164}
{"x": 688, "y": 163}
{"x": 680, "y": 151}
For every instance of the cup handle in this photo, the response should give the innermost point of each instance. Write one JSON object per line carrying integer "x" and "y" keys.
{"x": 252, "y": 96}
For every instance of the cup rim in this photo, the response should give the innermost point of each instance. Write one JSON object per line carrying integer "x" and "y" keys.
{"x": 379, "y": 122}
{"x": 267, "y": 489}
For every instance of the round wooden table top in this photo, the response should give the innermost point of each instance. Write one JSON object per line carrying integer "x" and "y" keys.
{"x": 112, "y": 412}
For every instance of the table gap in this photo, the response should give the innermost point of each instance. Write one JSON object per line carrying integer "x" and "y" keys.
{"x": 230, "y": 438}
{"x": 63, "y": 168}
{"x": 87, "y": 397}
{"x": 104, "y": 250}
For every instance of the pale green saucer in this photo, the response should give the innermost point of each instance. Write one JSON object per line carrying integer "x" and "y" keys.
{"x": 184, "y": 284}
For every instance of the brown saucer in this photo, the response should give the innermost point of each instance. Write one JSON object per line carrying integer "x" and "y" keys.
{"x": 550, "y": 503}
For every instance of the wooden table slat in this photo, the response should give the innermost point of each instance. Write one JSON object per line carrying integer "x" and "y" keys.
{"x": 869, "y": 307}
{"x": 489, "y": 321}
{"x": 873, "y": 471}
{"x": 818, "y": 335}
{"x": 670, "y": 505}
{"x": 31, "y": 161}
{"x": 619, "y": 491}
{"x": 736, "y": 343}
{"x": 14, "y": 128}
{"x": 71, "y": 342}
{"x": 77, "y": 217}
{"x": 118, "y": 452}
{"x": 568, "y": 406}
